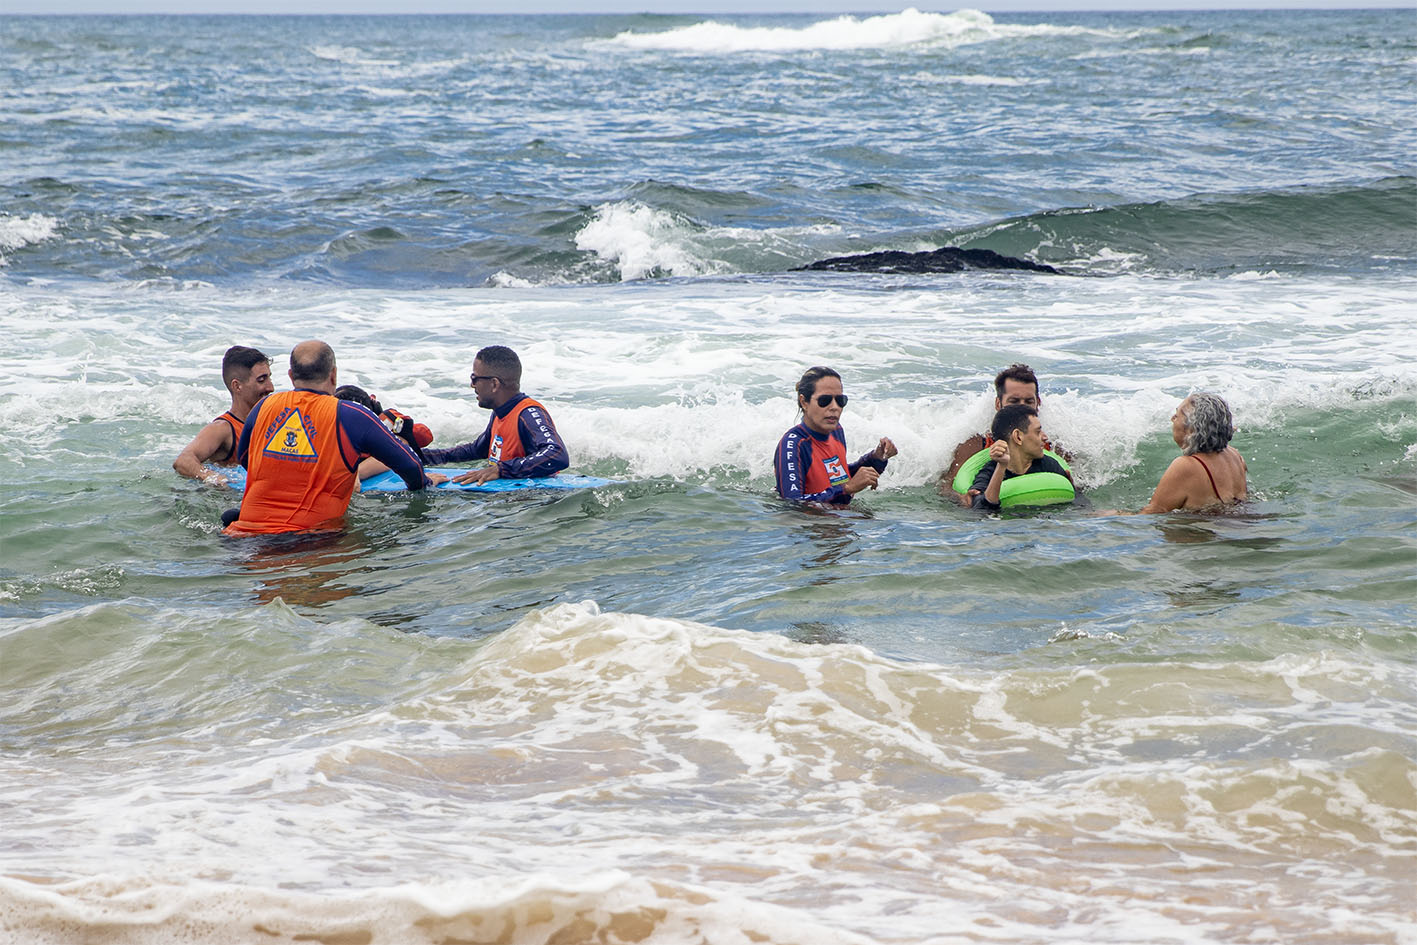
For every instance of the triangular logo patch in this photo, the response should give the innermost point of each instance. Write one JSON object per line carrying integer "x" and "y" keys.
{"x": 291, "y": 438}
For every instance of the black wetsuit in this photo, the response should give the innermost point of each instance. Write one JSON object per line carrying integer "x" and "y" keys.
{"x": 981, "y": 479}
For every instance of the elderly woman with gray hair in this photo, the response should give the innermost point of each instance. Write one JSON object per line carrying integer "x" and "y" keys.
{"x": 1209, "y": 470}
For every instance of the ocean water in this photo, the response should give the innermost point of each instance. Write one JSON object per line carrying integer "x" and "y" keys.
{"x": 677, "y": 709}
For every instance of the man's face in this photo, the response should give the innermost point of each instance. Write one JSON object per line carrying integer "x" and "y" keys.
{"x": 1017, "y": 392}
{"x": 483, "y": 386}
{"x": 1030, "y": 441}
{"x": 257, "y": 383}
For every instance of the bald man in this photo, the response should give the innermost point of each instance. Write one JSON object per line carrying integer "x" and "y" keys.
{"x": 302, "y": 447}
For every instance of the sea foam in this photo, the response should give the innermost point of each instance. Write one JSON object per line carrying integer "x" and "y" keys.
{"x": 910, "y": 27}
{"x": 16, "y": 232}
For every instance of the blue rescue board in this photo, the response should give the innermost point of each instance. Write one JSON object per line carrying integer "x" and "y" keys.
{"x": 390, "y": 481}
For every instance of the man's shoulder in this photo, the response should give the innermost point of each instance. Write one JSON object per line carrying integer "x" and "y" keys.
{"x": 972, "y": 444}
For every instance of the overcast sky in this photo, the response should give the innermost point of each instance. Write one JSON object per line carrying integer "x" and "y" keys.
{"x": 832, "y": 7}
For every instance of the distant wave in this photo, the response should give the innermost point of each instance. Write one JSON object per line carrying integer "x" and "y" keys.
{"x": 1332, "y": 225}
{"x": 907, "y": 28}
{"x": 349, "y": 55}
{"x": 657, "y": 231}
{"x": 16, "y": 232}
{"x": 642, "y": 241}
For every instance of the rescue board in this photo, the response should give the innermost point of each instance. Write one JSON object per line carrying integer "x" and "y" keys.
{"x": 391, "y": 482}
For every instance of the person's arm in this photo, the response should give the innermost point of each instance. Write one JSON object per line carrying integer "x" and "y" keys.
{"x": 1174, "y": 488}
{"x": 984, "y": 492}
{"x": 961, "y": 456}
{"x": 214, "y": 439}
{"x": 464, "y": 453}
{"x": 367, "y": 435}
{"x": 962, "y": 453}
{"x": 877, "y": 458}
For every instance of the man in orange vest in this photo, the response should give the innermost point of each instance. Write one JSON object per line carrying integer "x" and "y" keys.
{"x": 301, "y": 449}
{"x": 520, "y": 439}
{"x": 246, "y": 373}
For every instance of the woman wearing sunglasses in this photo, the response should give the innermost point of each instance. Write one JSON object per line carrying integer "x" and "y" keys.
{"x": 811, "y": 461}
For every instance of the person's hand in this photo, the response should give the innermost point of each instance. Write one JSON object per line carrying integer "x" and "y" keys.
{"x": 885, "y": 449}
{"x": 865, "y": 478}
{"x": 999, "y": 452}
{"x": 480, "y": 475}
{"x": 435, "y": 479}
{"x": 215, "y": 479}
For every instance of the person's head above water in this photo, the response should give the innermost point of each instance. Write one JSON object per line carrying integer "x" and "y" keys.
{"x": 496, "y": 376}
{"x": 359, "y": 396}
{"x": 1016, "y": 384}
{"x": 1202, "y": 424}
{"x": 820, "y": 398}
{"x": 312, "y": 366}
{"x": 246, "y": 372}
{"x": 1019, "y": 427}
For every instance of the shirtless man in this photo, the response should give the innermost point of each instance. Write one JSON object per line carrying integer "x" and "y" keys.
{"x": 247, "y": 375}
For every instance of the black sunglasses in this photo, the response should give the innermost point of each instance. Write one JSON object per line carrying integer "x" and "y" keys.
{"x": 824, "y": 399}
{"x": 483, "y": 377}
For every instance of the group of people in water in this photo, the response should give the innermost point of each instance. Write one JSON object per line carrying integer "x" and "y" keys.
{"x": 1012, "y": 464}
{"x": 305, "y": 450}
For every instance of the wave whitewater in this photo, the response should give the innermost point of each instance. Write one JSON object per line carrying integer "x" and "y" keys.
{"x": 910, "y": 27}
{"x": 671, "y": 232}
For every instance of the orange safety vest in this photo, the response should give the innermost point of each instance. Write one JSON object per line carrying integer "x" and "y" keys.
{"x": 296, "y": 475}
{"x": 236, "y": 425}
{"x": 504, "y": 441}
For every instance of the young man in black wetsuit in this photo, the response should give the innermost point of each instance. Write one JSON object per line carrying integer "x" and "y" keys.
{"x": 1017, "y": 450}
{"x": 1015, "y": 384}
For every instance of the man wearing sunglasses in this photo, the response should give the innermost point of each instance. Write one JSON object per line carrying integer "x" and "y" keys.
{"x": 520, "y": 439}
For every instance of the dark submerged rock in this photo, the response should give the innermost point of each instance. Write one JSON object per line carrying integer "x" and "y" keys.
{"x": 944, "y": 259}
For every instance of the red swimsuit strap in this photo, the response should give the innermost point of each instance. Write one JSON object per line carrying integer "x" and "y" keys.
{"x": 1208, "y": 475}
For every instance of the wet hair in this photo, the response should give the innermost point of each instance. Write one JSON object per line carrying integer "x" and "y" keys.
{"x": 1209, "y": 425}
{"x": 238, "y": 361}
{"x": 359, "y": 396}
{"x": 315, "y": 369}
{"x": 502, "y": 363}
{"x": 807, "y": 386}
{"x": 1015, "y": 372}
{"x": 1010, "y": 418}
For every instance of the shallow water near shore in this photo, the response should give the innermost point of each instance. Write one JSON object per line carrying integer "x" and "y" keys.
{"x": 676, "y": 708}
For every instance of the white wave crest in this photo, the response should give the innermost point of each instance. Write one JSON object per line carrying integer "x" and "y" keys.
{"x": 906, "y": 28}
{"x": 910, "y": 27}
{"x": 644, "y": 241}
{"x": 349, "y": 55}
{"x": 16, "y": 232}
{"x": 640, "y": 241}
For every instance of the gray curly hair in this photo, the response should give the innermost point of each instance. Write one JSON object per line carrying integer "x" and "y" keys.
{"x": 1209, "y": 426}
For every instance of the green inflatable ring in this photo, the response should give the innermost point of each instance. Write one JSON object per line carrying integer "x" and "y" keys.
{"x": 1044, "y": 488}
